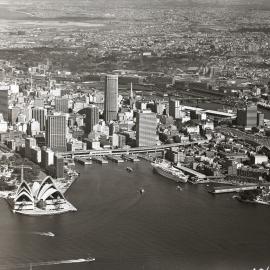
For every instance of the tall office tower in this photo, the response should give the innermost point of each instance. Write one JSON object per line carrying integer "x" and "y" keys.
{"x": 248, "y": 117}
{"x": 146, "y": 129}
{"x": 91, "y": 118}
{"x": 251, "y": 116}
{"x": 29, "y": 144}
{"x": 174, "y": 108}
{"x": 58, "y": 166}
{"x": 131, "y": 98}
{"x": 111, "y": 98}
{"x": 159, "y": 108}
{"x": 4, "y": 103}
{"x": 61, "y": 105}
{"x": 56, "y": 132}
{"x": 13, "y": 114}
{"x": 39, "y": 114}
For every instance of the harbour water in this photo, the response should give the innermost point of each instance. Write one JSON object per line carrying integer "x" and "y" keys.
{"x": 163, "y": 228}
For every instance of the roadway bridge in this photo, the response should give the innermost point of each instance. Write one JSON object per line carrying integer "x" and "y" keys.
{"x": 136, "y": 150}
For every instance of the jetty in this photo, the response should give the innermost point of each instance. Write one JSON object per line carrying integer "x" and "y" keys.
{"x": 83, "y": 161}
{"x": 116, "y": 159}
{"x": 131, "y": 158}
{"x": 100, "y": 160}
{"x": 230, "y": 189}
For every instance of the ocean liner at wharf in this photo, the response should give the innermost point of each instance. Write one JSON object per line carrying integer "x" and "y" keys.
{"x": 167, "y": 170}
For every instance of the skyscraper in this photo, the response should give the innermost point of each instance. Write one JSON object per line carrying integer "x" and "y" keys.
{"x": 39, "y": 114}
{"x": 111, "y": 98}
{"x": 91, "y": 118}
{"x": 146, "y": 129}
{"x": 251, "y": 115}
{"x": 56, "y": 132}
{"x": 248, "y": 117}
{"x": 61, "y": 105}
{"x": 4, "y": 103}
{"x": 174, "y": 108}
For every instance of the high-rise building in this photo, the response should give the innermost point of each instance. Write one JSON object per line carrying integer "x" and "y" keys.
{"x": 260, "y": 119}
{"x": 13, "y": 114}
{"x": 56, "y": 132}
{"x": 29, "y": 144}
{"x": 111, "y": 98}
{"x": 61, "y": 104}
{"x": 39, "y": 114}
{"x": 58, "y": 167}
{"x": 174, "y": 108}
{"x": 249, "y": 117}
{"x": 47, "y": 157}
{"x": 4, "y": 103}
{"x": 91, "y": 118}
{"x": 146, "y": 129}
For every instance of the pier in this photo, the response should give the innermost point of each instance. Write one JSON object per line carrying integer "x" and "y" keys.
{"x": 115, "y": 159}
{"x": 191, "y": 172}
{"x": 131, "y": 158}
{"x": 100, "y": 160}
{"x": 230, "y": 189}
{"x": 83, "y": 161}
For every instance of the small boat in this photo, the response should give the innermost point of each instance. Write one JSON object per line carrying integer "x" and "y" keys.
{"x": 142, "y": 191}
{"x": 179, "y": 188}
{"x": 129, "y": 169}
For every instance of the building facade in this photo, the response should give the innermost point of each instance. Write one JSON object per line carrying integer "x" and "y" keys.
{"x": 56, "y": 132}
{"x": 39, "y": 114}
{"x": 111, "y": 98}
{"x": 146, "y": 129}
{"x": 61, "y": 105}
{"x": 4, "y": 103}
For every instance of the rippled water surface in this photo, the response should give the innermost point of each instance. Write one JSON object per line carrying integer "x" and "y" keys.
{"x": 161, "y": 229}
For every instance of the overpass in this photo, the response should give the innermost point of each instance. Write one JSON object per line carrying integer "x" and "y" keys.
{"x": 135, "y": 150}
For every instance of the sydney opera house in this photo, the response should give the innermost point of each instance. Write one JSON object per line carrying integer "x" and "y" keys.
{"x": 41, "y": 199}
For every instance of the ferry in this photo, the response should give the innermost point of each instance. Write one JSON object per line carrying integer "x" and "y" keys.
{"x": 129, "y": 169}
{"x": 167, "y": 170}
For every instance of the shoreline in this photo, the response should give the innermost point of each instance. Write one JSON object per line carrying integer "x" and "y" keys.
{"x": 251, "y": 202}
{"x": 63, "y": 185}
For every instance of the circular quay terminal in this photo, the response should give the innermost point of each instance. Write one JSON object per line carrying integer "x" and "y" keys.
{"x": 135, "y": 134}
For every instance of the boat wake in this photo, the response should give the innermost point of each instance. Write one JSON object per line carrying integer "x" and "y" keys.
{"x": 35, "y": 264}
{"x": 48, "y": 234}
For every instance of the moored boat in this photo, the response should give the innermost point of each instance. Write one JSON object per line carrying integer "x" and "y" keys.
{"x": 167, "y": 170}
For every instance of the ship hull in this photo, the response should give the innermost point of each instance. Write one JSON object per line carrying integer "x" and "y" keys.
{"x": 169, "y": 176}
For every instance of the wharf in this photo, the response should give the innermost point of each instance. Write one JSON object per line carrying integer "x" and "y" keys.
{"x": 146, "y": 157}
{"x": 100, "y": 160}
{"x": 230, "y": 189}
{"x": 131, "y": 158}
{"x": 115, "y": 159}
{"x": 192, "y": 172}
{"x": 83, "y": 161}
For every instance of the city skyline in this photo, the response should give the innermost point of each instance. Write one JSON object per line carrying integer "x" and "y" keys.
{"x": 135, "y": 134}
